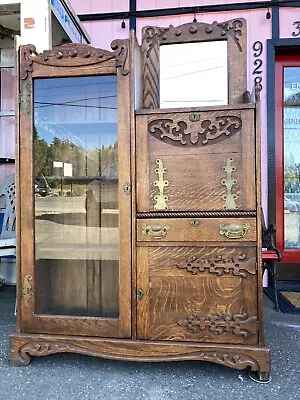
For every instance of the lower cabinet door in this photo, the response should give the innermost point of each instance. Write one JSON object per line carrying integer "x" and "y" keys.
{"x": 200, "y": 294}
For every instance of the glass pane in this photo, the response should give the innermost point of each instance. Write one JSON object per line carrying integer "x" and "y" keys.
{"x": 76, "y": 196}
{"x": 292, "y": 157}
{"x": 7, "y": 76}
{"x": 193, "y": 74}
{"x": 7, "y": 137}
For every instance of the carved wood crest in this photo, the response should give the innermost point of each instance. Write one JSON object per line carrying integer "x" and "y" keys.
{"x": 74, "y": 55}
{"x": 195, "y": 31}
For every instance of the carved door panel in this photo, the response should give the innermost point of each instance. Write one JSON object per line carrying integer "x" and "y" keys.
{"x": 202, "y": 294}
{"x": 74, "y": 206}
{"x": 192, "y": 161}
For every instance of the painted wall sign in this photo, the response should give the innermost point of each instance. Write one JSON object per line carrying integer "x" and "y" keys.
{"x": 65, "y": 20}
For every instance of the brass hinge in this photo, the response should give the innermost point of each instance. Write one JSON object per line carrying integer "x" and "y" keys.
{"x": 127, "y": 188}
{"x": 27, "y": 291}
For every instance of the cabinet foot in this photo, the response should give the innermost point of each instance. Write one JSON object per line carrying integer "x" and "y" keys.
{"x": 260, "y": 377}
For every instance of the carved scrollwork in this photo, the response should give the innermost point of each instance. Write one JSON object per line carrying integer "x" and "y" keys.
{"x": 234, "y": 28}
{"x": 26, "y": 59}
{"x": 230, "y": 360}
{"x": 40, "y": 349}
{"x": 219, "y": 265}
{"x": 198, "y": 133}
{"x": 120, "y": 48}
{"x": 237, "y": 324}
{"x": 152, "y": 36}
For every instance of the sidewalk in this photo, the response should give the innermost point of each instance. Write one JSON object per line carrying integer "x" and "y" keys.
{"x": 76, "y": 377}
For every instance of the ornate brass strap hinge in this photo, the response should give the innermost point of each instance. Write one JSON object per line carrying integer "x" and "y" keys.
{"x": 27, "y": 291}
{"x": 160, "y": 198}
{"x": 229, "y": 203}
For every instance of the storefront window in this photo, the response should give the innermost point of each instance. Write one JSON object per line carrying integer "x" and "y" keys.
{"x": 7, "y": 111}
{"x": 291, "y": 157}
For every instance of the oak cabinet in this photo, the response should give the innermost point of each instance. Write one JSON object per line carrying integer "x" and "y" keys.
{"x": 148, "y": 244}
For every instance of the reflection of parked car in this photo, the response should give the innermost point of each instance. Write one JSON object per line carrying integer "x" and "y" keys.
{"x": 42, "y": 188}
{"x": 291, "y": 205}
{"x": 102, "y": 192}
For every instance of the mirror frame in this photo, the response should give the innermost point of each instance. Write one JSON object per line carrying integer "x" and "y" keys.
{"x": 233, "y": 31}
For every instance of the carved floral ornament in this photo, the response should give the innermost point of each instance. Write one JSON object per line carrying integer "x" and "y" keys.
{"x": 195, "y": 131}
{"x": 237, "y": 324}
{"x": 195, "y": 31}
{"x": 74, "y": 55}
{"x": 236, "y": 265}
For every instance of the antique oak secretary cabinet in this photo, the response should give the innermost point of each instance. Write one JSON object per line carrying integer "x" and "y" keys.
{"x": 146, "y": 244}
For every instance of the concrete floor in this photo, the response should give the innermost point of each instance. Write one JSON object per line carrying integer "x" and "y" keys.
{"x": 69, "y": 376}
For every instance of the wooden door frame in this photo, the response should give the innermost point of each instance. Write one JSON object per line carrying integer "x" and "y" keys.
{"x": 71, "y": 60}
{"x": 281, "y": 61}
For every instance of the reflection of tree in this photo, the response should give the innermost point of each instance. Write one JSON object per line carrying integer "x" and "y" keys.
{"x": 84, "y": 162}
{"x": 291, "y": 175}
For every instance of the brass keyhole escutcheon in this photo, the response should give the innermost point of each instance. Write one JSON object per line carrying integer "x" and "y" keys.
{"x": 194, "y": 223}
{"x": 140, "y": 294}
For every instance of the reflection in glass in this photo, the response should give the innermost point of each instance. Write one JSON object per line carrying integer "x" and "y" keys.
{"x": 76, "y": 196}
{"x": 193, "y": 74}
{"x": 292, "y": 157}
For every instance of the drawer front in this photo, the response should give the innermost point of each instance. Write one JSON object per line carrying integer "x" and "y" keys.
{"x": 196, "y": 161}
{"x": 197, "y": 230}
{"x": 201, "y": 294}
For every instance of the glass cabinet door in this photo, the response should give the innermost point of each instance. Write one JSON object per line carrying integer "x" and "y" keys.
{"x": 76, "y": 196}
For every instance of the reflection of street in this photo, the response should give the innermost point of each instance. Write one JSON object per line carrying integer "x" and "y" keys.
{"x": 61, "y": 231}
{"x": 58, "y": 205}
{"x": 292, "y": 229}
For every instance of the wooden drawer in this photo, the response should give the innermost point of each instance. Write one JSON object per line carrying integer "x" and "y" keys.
{"x": 197, "y": 230}
{"x": 200, "y": 294}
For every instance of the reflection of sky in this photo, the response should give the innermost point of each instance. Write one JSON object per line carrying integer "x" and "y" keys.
{"x": 291, "y": 117}
{"x": 82, "y": 110}
{"x": 291, "y": 81}
{"x": 193, "y": 74}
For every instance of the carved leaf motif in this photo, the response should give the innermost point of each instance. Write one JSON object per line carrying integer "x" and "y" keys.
{"x": 218, "y": 265}
{"x": 190, "y": 133}
{"x": 238, "y": 324}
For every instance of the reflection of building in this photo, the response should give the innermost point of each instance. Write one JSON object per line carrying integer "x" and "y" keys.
{"x": 45, "y": 23}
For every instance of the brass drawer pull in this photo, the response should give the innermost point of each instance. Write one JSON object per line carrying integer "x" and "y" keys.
{"x": 194, "y": 223}
{"x": 234, "y": 231}
{"x": 155, "y": 231}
